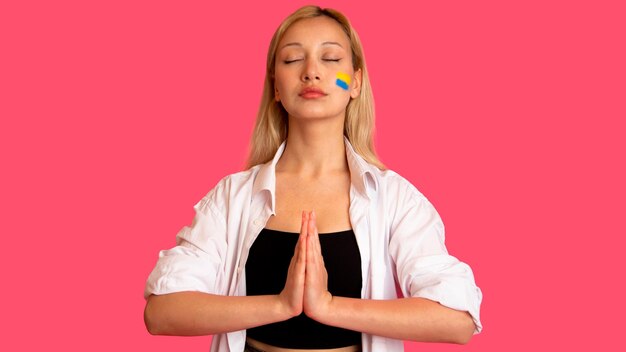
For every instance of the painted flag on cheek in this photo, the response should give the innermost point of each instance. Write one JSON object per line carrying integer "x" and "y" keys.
{"x": 343, "y": 80}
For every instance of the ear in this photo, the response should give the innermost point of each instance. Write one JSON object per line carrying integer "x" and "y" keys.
{"x": 276, "y": 95}
{"x": 355, "y": 89}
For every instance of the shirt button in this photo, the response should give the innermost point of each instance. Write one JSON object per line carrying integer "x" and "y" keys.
{"x": 258, "y": 222}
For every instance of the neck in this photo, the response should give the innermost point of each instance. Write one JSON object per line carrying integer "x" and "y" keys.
{"x": 313, "y": 148}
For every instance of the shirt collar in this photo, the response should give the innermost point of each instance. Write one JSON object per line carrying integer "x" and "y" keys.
{"x": 361, "y": 174}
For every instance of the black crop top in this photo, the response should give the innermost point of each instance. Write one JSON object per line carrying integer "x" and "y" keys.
{"x": 266, "y": 272}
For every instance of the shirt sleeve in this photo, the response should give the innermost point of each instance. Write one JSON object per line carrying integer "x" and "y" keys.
{"x": 423, "y": 265}
{"x": 195, "y": 263}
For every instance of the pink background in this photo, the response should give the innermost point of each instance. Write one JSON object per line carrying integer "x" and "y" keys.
{"x": 118, "y": 116}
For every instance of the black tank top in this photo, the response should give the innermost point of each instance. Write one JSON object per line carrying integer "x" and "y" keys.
{"x": 266, "y": 272}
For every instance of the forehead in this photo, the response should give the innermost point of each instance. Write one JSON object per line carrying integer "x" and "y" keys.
{"x": 311, "y": 31}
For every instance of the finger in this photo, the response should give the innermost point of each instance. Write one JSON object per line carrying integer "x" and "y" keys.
{"x": 296, "y": 250}
{"x": 299, "y": 254}
{"x": 301, "y": 250}
{"x": 296, "y": 272}
{"x": 310, "y": 238}
{"x": 302, "y": 239}
{"x": 317, "y": 249}
{"x": 305, "y": 223}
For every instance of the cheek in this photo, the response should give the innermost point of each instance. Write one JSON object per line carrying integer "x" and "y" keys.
{"x": 343, "y": 80}
{"x": 278, "y": 86}
{"x": 280, "y": 81}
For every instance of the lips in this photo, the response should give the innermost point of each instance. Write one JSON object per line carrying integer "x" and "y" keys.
{"x": 312, "y": 93}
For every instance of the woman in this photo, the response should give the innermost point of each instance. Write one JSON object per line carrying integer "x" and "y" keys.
{"x": 305, "y": 249}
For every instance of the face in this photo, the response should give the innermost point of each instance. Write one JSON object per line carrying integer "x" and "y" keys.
{"x": 310, "y": 55}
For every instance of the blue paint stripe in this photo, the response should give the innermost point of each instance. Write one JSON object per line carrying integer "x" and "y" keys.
{"x": 342, "y": 84}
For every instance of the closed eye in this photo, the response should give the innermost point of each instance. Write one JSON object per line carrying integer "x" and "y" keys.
{"x": 334, "y": 60}
{"x": 290, "y": 61}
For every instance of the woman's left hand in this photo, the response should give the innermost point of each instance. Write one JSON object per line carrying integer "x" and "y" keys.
{"x": 317, "y": 299}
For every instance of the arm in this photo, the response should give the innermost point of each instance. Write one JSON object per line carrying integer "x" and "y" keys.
{"x": 416, "y": 319}
{"x": 197, "y": 313}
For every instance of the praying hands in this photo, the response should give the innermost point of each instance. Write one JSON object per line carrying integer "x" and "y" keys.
{"x": 306, "y": 288}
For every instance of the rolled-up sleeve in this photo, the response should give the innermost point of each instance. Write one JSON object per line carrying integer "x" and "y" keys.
{"x": 195, "y": 263}
{"x": 423, "y": 265}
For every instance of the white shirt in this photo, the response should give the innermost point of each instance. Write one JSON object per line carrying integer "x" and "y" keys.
{"x": 398, "y": 231}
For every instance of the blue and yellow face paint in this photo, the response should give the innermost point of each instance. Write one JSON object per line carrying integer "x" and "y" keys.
{"x": 343, "y": 80}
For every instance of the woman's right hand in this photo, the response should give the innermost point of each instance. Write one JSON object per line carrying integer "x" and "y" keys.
{"x": 292, "y": 295}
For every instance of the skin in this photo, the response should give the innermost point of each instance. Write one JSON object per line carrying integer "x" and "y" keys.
{"x": 312, "y": 59}
{"x": 311, "y": 174}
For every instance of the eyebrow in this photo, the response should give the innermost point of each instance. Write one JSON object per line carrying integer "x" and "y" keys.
{"x": 300, "y": 44}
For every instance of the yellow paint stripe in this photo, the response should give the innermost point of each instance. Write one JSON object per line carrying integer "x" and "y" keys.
{"x": 344, "y": 77}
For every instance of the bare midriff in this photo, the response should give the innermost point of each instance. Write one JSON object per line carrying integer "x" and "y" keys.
{"x": 268, "y": 348}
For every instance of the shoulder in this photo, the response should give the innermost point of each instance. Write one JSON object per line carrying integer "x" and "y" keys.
{"x": 391, "y": 183}
{"x": 235, "y": 185}
{"x": 408, "y": 212}
{"x": 400, "y": 198}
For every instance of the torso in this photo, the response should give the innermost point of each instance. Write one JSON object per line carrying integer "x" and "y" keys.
{"x": 329, "y": 196}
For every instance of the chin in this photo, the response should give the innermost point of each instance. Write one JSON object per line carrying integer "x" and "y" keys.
{"x": 315, "y": 114}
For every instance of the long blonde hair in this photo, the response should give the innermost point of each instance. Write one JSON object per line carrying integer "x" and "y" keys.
{"x": 270, "y": 129}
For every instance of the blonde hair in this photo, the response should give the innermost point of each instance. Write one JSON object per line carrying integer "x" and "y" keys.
{"x": 270, "y": 129}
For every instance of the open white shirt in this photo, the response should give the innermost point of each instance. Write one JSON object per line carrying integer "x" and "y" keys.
{"x": 398, "y": 231}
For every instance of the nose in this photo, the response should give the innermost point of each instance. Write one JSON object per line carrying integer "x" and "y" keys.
{"x": 311, "y": 71}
